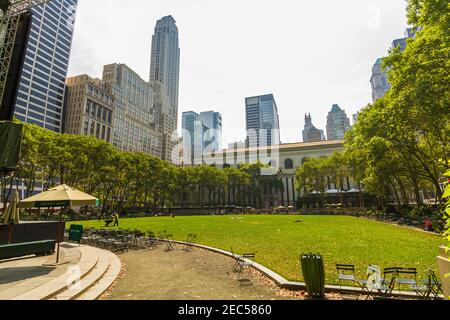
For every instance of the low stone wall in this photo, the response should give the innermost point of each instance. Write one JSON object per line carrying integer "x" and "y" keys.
{"x": 443, "y": 261}
{"x": 291, "y": 285}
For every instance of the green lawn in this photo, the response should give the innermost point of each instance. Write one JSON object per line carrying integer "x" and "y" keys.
{"x": 279, "y": 241}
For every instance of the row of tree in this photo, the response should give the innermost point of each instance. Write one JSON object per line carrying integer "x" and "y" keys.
{"x": 401, "y": 144}
{"x": 128, "y": 179}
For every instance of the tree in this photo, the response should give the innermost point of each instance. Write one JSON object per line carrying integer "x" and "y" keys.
{"x": 237, "y": 180}
{"x": 401, "y": 143}
{"x": 311, "y": 177}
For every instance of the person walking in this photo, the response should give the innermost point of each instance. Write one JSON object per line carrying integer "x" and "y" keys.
{"x": 116, "y": 219}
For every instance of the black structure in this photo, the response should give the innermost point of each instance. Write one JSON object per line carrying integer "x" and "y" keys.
{"x": 10, "y": 144}
{"x": 15, "y": 68}
{"x": 31, "y": 232}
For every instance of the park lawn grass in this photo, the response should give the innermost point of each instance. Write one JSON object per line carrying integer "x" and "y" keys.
{"x": 279, "y": 240}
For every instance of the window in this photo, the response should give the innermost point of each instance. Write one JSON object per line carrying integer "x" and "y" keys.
{"x": 289, "y": 164}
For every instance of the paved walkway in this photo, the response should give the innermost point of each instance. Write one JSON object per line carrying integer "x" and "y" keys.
{"x": 18, "y": 276}
{"x": 83, "y": 273}
{"x": 179, "y": 275}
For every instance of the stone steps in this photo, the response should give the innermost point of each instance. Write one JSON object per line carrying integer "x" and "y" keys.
{"x": 87, "y": 263}
{"x": 89, "y": 280}
{"x": 100, "y": 287}
{"x": 97, "y": 270}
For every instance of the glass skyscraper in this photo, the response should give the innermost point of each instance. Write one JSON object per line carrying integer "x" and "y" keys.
{"x": 263, "y": 124}
{"x": 192, "y": 136}
{"x": 42, "y": 83}
{"x": 201, "y": 133}
{"x": 213, "y": 135}
{"x": 379, "y": 80}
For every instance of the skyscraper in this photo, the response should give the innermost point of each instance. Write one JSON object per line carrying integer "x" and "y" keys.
{"x": 165, "y": 70}
{"x": 192, "y": 136}
{"x": 379, "y": 80}
{"x": 311, "y": 133}
{"x": 135, "y": 120}
{"x": 42, "y": 85}
{"x": 337, "y": 123}
{"x": 355, "y": 118}
{"x": 263, "y": 124}
{"x": 201, "y": 133}
{"x": 213, "y": 135}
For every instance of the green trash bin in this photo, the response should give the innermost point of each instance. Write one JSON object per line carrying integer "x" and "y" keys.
{"x": 75, "y": 233}
{"x": 314, "y": 274}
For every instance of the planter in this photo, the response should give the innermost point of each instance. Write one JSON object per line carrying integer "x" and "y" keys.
{"x": 443, "y": 261}
{"x": 314, "y": 274}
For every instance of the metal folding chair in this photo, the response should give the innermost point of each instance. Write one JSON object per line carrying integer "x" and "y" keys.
{"x": 430, "y": 288}
{"x": 376, "y": 284}
{"x": 346, "y": 274}
{"x": 242, "y": 263}
{"x": 435, "y": 285}
{"x": 236, "y": 259}
{"x": 190, "y": 242}
{"x": 406, "y": 277}
{"x": 170, "y": 245}
{"x": 149, "y": 240}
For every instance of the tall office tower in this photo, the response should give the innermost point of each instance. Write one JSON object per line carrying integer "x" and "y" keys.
{"x": 192, "y": 137}
{"x": 89, "y": 108}
{"x": 135, "y": 118}
{"x": 379, "y": 80}
{"x": 263, "y": 124}
{"x": 311, "y": 133}
{"x": 201, "y": 133}
{"x": 42, "y": 84}
{"x": 355, "y": 118}
{"x": 337, "y": 123}
{"x": 165, "y": 68}
{"x": 213, "y": 135}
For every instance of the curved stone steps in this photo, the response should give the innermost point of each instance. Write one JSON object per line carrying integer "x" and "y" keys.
{"x": 100, "y": 287}
{"x": 78, "y": 288}
{"x": 87, "y": 263}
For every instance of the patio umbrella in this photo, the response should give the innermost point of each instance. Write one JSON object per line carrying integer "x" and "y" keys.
{"x": 62, "y": 196}
{"x": 11, "y": 214}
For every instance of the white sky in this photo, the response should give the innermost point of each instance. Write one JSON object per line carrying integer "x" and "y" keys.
{"x": 309, "y": 54}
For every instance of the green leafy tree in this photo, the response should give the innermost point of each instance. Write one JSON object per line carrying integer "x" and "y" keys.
{"x": 311, "y": 177}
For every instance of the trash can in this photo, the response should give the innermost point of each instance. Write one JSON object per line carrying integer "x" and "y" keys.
{"x": 75, "y": 233}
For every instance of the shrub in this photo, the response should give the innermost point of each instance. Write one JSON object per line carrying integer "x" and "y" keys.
{"x": 447, "y": 209}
